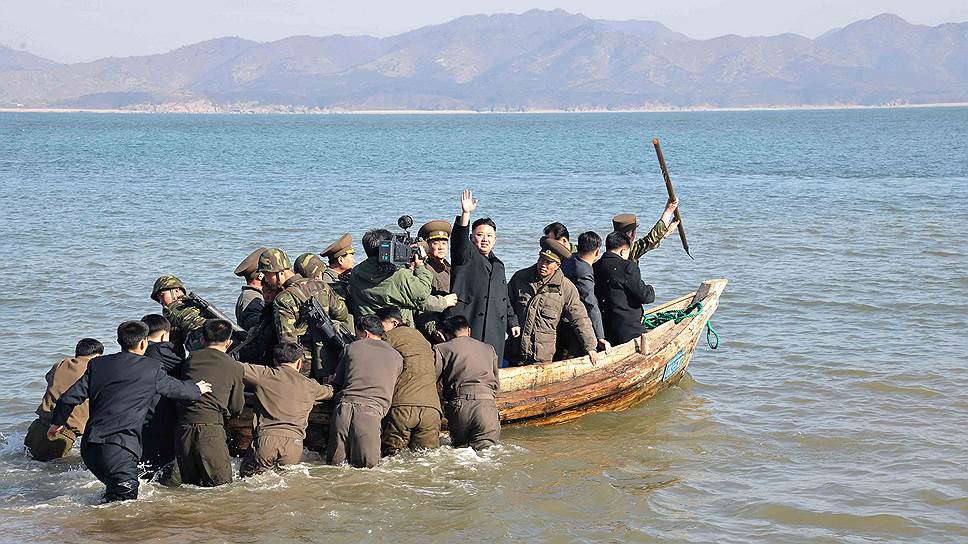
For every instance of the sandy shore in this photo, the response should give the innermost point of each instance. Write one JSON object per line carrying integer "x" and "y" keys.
{"x": 271, "y": 111}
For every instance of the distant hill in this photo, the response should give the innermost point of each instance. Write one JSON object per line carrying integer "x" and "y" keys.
{"x": 534, "y": 60}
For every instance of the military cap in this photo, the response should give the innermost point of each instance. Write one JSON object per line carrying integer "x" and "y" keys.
{"x": 435, "y": 230}
{"x": 309, "y": 265}
{"x": 250, "y": 265}
{"x": 625, "y": 222}
{"x": 274, "y": 260}
{"x": 554, "y": 250}
{"x": 340, "y": 247}
{"x": 164, "y": 283}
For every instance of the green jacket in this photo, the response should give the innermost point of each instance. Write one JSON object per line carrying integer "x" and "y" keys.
{"x": 373, "y": 286}
{"x": 648, "y": 242}
{"x": 417, "y": 384}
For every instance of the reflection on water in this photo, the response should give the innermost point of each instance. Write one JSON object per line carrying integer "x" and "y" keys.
{"x": 832, "y": 412}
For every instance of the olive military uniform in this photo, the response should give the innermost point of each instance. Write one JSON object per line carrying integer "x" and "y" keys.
{"x": 365, "y": 379}
{"x": 59, "y": 378}
{"x": 284, "y": 400}
{"x": 414, "y": 417}
{"x": 468, "y": 371}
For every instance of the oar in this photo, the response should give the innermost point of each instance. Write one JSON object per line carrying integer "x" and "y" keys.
{"x": 672, "y": 195}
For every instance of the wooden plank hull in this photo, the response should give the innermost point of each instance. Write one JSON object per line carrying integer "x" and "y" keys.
{"x": 559, "y": 391}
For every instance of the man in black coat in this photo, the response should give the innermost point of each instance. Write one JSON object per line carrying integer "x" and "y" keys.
{"x": 620, "y": 291}
{"x": 477, "y": 278}
{"x": 120, "y": 387}
{"x": 158, "y": 432}
{"x": 579, "y": 270}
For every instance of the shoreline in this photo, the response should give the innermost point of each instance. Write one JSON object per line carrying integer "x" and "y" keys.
{"x": 691, "y": 109}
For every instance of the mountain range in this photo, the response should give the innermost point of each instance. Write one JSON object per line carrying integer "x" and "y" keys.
{"x": 536, "y": 60}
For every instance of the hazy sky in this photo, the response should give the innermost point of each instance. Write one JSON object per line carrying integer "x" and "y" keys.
{"x": 80, "y": 30}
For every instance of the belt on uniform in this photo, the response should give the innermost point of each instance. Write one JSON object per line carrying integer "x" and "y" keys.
{"x": 470, "y": 396}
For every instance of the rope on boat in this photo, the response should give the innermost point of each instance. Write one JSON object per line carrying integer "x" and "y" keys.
{"x": 652, "y": 321}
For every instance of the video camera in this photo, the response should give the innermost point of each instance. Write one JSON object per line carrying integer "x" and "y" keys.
{"x": 401, "y": 249}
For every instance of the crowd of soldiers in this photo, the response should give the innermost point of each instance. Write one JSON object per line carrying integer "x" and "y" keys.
{"x": 396, "y": 348}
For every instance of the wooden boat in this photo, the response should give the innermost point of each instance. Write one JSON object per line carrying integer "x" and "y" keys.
{"x": 559, "y": 391}
{"x": 631, "y": 373}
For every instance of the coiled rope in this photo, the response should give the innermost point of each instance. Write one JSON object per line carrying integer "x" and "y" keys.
{"x": 652, "y": 321}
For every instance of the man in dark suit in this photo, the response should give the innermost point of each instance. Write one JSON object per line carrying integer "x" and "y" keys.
{"x": 477, "y": 278}
{"x": 120, "y": 388}
{"x": 620, "y": 290}
{"x": 578, "y": 269}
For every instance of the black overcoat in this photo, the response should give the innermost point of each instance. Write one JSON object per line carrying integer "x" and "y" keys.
{"x": 481, "y": 288}
{"x": 621, "y": 294}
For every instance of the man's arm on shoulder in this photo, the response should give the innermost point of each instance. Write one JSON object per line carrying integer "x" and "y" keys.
{"x": 175, "y": 389}
{"x": 415, "y": 286}
{"x": 75, "y": 394}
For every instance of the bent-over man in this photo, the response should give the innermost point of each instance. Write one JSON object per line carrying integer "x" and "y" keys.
{"x": 120, "y": 387}
{"x": 284, "y": 399}
{"x": 364, "y": 381}
{"x": 201, "y": 444}
{"x": 414, "y": 417}
{"x": 186, "y": 320}
{"x": 542, "y": 297}
{"x": 468, "y": 371}
{"x": 60, "y": 377}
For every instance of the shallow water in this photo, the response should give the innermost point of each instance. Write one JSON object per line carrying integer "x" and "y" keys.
{"x": 833, "y": 411}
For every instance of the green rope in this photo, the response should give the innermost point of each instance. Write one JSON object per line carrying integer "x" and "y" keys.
{"x": 652, "y": 321}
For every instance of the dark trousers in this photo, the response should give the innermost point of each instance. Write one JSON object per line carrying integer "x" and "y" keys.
{"x": 414, "y": 427}
{"x": 354, "y": 435}
{"x": 158, "y": 437}
{"x": 473, "y": 420}
{"x": 116, "y": 467}
{"x": 203, "y": 455}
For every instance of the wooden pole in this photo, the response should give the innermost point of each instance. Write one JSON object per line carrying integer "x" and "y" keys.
{"x": 672, "y": 195}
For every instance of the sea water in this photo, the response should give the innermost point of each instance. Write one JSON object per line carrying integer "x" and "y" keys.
{"x": 833, "y": 411}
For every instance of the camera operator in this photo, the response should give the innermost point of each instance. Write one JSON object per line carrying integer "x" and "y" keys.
{"x": 374, "y": 285}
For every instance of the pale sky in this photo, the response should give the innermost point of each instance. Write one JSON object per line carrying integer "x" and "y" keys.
{"x": 82, "y": 30}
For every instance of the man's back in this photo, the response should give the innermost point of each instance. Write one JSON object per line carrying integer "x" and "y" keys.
{"x": 466, "y": 363}
{"x": 368, "y": 373}
{"x": 621, "y": 294}
{"x": 373, "y": 286}
{"x": 59, "y": 378}
{"x": 285, "y": 399}
{"x": 225, "y": 375}
{"x": 417, "y": 384}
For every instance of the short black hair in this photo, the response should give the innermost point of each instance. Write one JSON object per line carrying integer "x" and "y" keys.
{"x": 483, "y": 221}
{"x": 88, "y": 346}
{"x": 557, "y": 231}
{"x": 588, "y": 242}
{"x": 390, "y": 312}
{"x": 372, "y": 239}
{"x": 453, "y": 324}
{"x": 216, "y": 331}
{"x": 156, "y": 323}
{"x": 131, "y": 333}
{"x": 617, "y": 240}
{"x": 371, "y": 324}
{"x": 287, "y": 352}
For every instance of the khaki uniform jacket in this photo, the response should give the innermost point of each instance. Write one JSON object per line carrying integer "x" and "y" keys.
{"x": 441, "y": 271}
{"x": 59, "y": 378}
{"x": 417, "y": 384}
{"x": 285, "y": 397}
{"x": 540, "y": 305}
{"x": 467, "y": 366}
{"x": 367, "y": 374}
